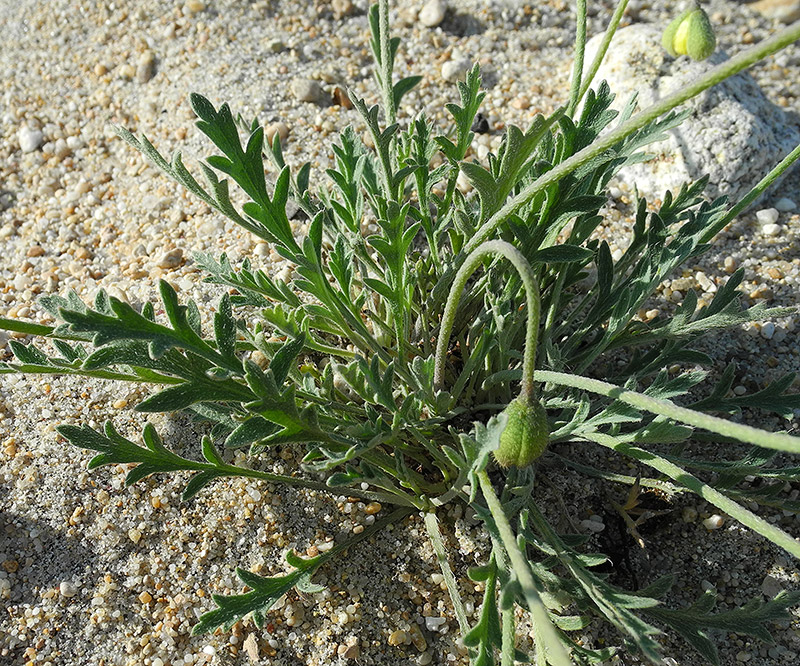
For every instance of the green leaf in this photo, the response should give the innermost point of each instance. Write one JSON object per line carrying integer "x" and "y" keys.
{"x": 264, "y": 594}
{"x": 694, "y": 623}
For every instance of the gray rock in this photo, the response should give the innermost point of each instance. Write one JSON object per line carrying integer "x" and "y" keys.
{"x": 432, "y": 13}
{"x": 734, "y": 134}
{"x": 29, "y": 139}
{"x": 308, "y": 90}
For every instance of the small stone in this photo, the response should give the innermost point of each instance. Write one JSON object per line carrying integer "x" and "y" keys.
{"x": 397, "y": 637}
{"x": 372, "y": 508}
{"x": 170, "y": 258}
{"x": 35, "y": 251}
{"x": 29, "y": 139}
{"x": 250, "y": 646}
{"x": 341, "y": 98}
{"x": 424, "y": 659}
{"x": 784, "y": 205}
{"x": 11, "y": 566}
{"x": 417, "y": 638}
{"x": 352, "y": 652}
{"x": 100, "y": 69}
{"x": 775, "y": 273}
{"x": 768, "y": 330}
{"x": 772, "y": 230}
{"x": 689, "y": 514}
{"x": 432, "y": 13}
{"x": 279, "y": 128}
{"x": 146, "y": 67}
{"x": 308, "y": 90}
{"x": 195, "y": 6}
{"x": 521, "y": 102}
{"x": 434, "y": 623}
{"x": 127, "y": 71}
{"x": 341, "y": 8}
{"x": 134, "y": 535}
{"x": 713, "y": 522}
{"x": 767, "y": 216}
{"x": 453, "y": 70}
{"x": 771, "y": 587}
{"x": 275, "y": 45}
{"x": 730, "y": 264}
{"x": 67, "y": 589}
{"x": 145, "y": 597}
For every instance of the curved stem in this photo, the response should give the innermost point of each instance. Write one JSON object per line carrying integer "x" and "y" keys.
{"x": 525, "y": 271}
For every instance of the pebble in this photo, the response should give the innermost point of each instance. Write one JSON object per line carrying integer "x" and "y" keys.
{"x": 767, "y": 216}
{"x": 279, "y": 128}
{"x": 29, "y": 139}
{"x": 397, "y": 637}
{"x": 772, "y": 230}
{"x": 308, "y": 90}
{"x": 170, "y": 259}
{"x": 146, "y": 67}
{"x": 341, "y": 8}
{"x": 784, "y": 205}
{"x": 771, "y": 587}
{"x": 250, "y": 646}
{"x": 67, "y": 589}
{"x": 713, "y": 522}
{"x": 275, "y": 45}
{"x": 452, "y": 70}
{"x": 768, "y": 330}
{"x": 432, "y": 13}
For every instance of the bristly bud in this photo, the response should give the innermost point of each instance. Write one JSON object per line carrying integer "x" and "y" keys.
{"x": 526, "y": 434}
{"x": 690, "y": 34}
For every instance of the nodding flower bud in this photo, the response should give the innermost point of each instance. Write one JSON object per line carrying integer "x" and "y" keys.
{"x": 690, "y": 34}
{"x": 526, "y": 434}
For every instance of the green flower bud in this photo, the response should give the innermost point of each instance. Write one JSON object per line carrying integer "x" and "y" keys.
{"x": 690, "y": 34}
{"x": 526, "y": 433}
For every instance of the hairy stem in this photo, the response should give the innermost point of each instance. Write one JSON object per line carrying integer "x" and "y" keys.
{"x": 504, "y": 249}
{"x": 601, "y": 52}
{"x": 521, "y": 569}
{"x": 577, "y": 65}
{"x": 742, "y": 433}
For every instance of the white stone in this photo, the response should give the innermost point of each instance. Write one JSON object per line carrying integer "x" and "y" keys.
{"x": 67, "y": 589}
{"x": 713, "y": 522}
{"x": 432, "y": 14}
{"x": 29, "y": 139}
{"x": 453, "y": 70}
{"x": 308, "y": 90}
{"x": 772, "y": 229}
{"x": 733, "y": 133}
{"x": 768, "y": 330}
{"x": 784, "y": 204}
{"x": 434, "y": 623}
{"x": 767, "y": 215}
